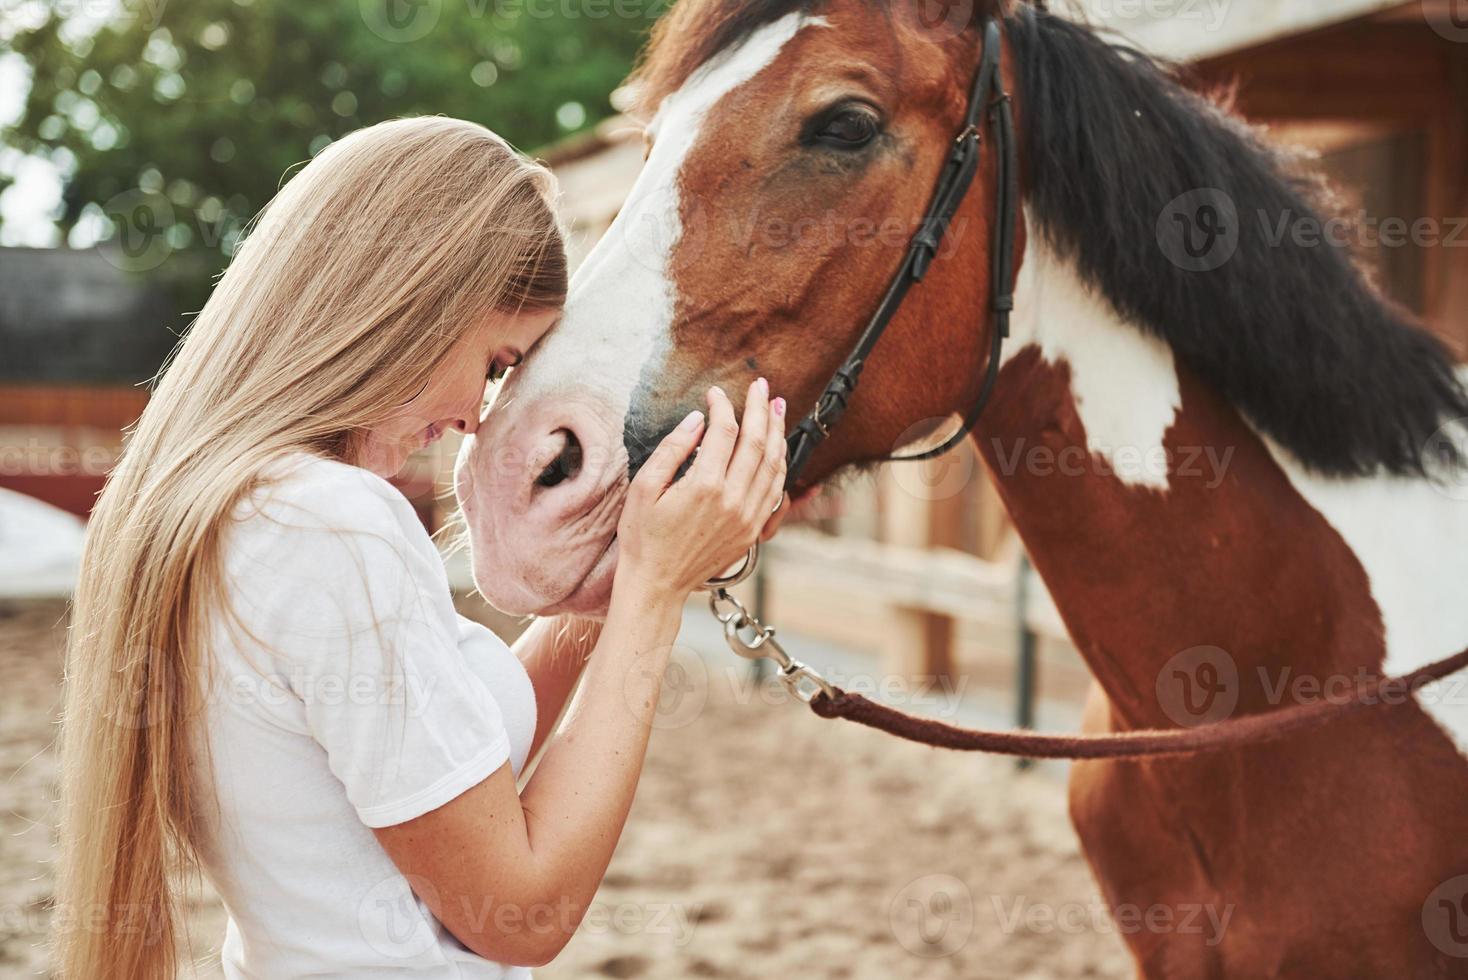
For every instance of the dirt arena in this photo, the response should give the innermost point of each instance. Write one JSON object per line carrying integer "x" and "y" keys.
{"x": 765, "y": 842}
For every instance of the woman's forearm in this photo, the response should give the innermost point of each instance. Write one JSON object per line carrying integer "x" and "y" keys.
{"x": 554, "y": 651}
{"x": 578, "y": 799}
{"x": 513, "y": 874}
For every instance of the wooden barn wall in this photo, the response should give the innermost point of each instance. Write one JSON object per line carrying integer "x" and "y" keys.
{"x": 1385, "y": 101}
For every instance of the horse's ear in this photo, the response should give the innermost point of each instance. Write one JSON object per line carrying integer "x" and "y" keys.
{"x": 946, "y": 19}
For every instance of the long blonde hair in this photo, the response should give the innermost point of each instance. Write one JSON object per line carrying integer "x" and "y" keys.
{"x": 343, "y": 300}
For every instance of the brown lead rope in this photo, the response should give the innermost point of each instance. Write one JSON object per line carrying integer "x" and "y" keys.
{"x": 1248, "y": 730}
{"x": 753, "y": 640}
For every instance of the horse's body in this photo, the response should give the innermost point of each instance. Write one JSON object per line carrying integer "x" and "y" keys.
{"x": 1325, "y": 847}
{"x": 1206, "y": 566}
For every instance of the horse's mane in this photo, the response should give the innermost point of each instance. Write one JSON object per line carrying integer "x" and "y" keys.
{"x": 1294, "y": 335}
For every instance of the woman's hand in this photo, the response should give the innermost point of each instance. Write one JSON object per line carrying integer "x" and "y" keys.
{"x": 548, "y": 846}
{"x": 675, "y": 536}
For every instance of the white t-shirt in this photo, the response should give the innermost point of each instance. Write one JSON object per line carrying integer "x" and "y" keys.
{"x": 346, "y": 694}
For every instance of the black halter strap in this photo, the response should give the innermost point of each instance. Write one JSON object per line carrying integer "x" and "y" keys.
{"x": 988, "y": 97}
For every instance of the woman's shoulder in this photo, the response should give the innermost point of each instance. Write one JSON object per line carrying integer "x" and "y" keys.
{"x": 317, "y": 509}
{"x": 313, "y": 491}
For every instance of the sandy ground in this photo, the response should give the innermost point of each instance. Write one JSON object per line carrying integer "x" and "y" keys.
{"x": 765, "y": 842}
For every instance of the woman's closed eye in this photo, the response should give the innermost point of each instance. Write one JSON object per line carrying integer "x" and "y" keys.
{"x": 497, "y": 368}
{"x": 502, "y": 363}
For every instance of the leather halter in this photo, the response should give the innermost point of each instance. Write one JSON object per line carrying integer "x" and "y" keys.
{"x": 988, "y": 98}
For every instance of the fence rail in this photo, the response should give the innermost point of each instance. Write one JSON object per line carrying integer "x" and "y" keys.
{"x": 933, "y": 580}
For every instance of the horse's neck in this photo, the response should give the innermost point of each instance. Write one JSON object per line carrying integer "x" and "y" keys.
{"x": 1163, "y": 523}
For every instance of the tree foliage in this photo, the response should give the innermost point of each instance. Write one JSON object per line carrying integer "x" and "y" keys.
{"x": 198, "y": 108}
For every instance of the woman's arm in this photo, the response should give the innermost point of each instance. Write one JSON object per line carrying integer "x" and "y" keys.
{"x": 511, "y": 876}
{"x": 554, "y": 651}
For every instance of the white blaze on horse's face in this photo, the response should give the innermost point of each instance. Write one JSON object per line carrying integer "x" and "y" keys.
{"x": 543, "y": 481}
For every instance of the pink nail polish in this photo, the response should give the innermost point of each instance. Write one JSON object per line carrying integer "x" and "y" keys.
{"x": 778, "y": 407}
{"x": 691, "y": 420}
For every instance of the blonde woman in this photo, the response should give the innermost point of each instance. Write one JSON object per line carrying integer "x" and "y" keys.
{"x": 266, "y": 677}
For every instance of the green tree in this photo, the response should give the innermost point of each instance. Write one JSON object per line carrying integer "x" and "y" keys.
{"x": 177, "y": 121}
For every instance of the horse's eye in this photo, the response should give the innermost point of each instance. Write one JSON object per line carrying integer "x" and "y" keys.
{"x": 849, "y": 128}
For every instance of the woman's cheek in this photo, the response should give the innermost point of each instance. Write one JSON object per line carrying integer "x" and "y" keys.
{"x": 385, "y": 451}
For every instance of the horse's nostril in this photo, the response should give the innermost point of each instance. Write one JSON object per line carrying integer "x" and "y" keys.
{"x": 566, "y": 464}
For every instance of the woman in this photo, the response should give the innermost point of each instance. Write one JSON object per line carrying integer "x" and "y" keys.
{"x": 266, "y": 677}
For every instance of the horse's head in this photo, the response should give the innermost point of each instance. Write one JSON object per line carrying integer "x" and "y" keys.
{"x": 790, "y": 156}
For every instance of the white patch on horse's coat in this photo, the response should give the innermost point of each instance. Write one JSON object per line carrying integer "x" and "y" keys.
{"x": 620, "y": 310}
{"x": 1411, "y": 537}
{"x": 1123, "y": 380}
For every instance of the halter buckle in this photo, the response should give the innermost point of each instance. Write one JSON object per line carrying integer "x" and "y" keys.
{"x": 815, "y": 416}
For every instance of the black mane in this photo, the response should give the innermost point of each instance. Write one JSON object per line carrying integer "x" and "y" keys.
{"x": 1293, "y": 335}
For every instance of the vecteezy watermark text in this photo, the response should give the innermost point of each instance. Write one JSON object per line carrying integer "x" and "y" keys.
{"x": 1204, "y": 919}
{"x": 1208, "y": 463}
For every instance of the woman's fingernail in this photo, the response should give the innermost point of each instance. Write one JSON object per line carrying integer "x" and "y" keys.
{"x": 692, "y": 420}
{"x": 716, "y": 389}
{"x": 762, "y": 385}
{"x": 778, "y": 407}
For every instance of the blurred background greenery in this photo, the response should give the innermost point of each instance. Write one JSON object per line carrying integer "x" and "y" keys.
{"x": 192, "y": 112}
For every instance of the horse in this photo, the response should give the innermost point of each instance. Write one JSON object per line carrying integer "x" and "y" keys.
{"x": 1233, "y": 462}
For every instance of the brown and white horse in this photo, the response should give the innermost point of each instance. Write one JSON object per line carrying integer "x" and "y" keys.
{"x": 1229, "y": 458}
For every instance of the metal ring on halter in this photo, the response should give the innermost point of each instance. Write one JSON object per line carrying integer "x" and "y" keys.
{"x": 739, "y": 575}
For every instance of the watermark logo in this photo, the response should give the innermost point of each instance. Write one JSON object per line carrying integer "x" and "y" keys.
{"x": 1205, "y": 920}
{"x": 676, "y": 693}
{"x": 1449, "y": 18}
{"x": 941, "y": 477}
{"x": 646, "y": 234}
{"x": 33, "y": 457}
{"x": 933, "y": 916}
{"x": 1446, "y": 456}
{"x": 397, "y": 920}
{"x": 148, "y": 12}
{"x": 1445, "y": 917}
{"x": 141, "y": 220}
{"x": 401, "y": 21}
{"x": 1360, "y": 229}
{"x": 391, "y": 920}
{"x": 940, "y": 20}
{"x": 1199, "y": 231}
{"x": 1208, "y": 15}
{"x": 1198, "y": 686}
{"x": 1157, "y": 464}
